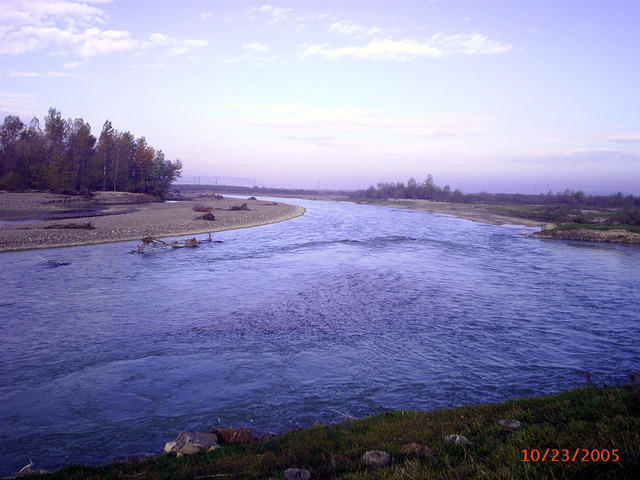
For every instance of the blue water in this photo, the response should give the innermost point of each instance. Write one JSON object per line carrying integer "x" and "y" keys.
{"x": 351, "y": 308}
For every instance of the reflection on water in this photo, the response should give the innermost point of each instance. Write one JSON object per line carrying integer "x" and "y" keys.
{"x": 351, "y": 307}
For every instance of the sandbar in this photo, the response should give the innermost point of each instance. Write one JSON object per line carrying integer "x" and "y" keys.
{"x": 121, "y": 216}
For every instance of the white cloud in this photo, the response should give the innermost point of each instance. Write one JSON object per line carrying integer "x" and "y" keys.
{"x": 174, "y": 46}
{"x": 279, "y": 15}
{"x": 95, "y": 41}
{"x": 346, "y": 27}
{"x": 338, "y": 120}
{"x": 72, "y": 64}
{"x": 206, "y": 15}
{"x": 439, "y": 45}
{"x": 43, "y": 74}
{"x": 65, "y": 27}
{"x": 23, "y": 104}
{"x": 624, "y": 138}
{"x": 255, "y": 47}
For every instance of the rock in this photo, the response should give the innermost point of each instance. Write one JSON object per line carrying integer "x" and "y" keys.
{"x": 510, "y": 424}
{"x": 376, "y": 458}
{"x": 456, "y": 439}
{"x": 297, "y": 474}
{"x": 417, "y": 449}
{"x": 188, "y": 443}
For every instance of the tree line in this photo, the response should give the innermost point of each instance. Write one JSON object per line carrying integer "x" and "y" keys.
{"x": 553, "y": 205}
{"x": 430, "y": 191}
{"x": 65, "y": 157}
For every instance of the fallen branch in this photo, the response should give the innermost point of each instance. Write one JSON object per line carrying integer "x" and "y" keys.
{"x": 150, "y": 242}
{"x": 71, "y": 226}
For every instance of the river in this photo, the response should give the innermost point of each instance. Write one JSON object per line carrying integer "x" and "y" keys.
{"x": 350, "y": 309}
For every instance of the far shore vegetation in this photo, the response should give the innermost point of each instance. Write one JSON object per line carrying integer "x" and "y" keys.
{"x": 65, "y": 157}
{"x": 601, "y": 424}
{"x": 567, "y": 210}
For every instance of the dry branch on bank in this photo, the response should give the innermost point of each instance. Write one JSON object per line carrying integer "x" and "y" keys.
{"x": 71, "y": 226}
{"x": 237, "y": 208}
{"x": 150, "y": 242}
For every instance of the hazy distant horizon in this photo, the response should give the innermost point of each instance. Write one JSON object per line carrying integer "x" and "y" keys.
{"x": 496, "y": 96}
{"x": 477, "y": 186}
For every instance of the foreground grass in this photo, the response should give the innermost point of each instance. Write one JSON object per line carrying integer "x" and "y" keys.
{"x": 590, "y": 418}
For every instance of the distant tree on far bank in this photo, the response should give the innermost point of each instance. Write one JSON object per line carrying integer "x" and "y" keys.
{"x": 66, "y": 157}
{"x": 555, "y": 205}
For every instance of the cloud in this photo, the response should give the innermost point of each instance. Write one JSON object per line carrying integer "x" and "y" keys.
{"x": 316, "y": 140}
{"x": 173, "y": 45}
{"x": 255, "y": 53}
{"x": 338, "y": 120}
{"x": 66, "y": 27}
{"x": 279, "y": 16}
{"x": 72, "y": 64}
{"x": 206, "y": 15}
{"x": 624, "y": 138}
{"x": 23, "y": 104}
{"x": 255, "y": 47}
{"x": 43, "y": 74}
{"x": 438, "y": 46}
{"x": 346, "y": 27}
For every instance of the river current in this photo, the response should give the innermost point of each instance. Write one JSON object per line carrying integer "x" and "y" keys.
{"x": 347, "y": 310}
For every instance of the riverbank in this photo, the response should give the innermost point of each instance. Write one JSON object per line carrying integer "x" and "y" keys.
{"x": 566, "y": 229}
{"x": 583, "y": 433}
{"x": 606, "y": 235}
{"x": 43, "y": 220}
{"x": 475, "y": 212}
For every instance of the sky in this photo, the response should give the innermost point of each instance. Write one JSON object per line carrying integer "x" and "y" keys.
{"x": 501, "y": 96}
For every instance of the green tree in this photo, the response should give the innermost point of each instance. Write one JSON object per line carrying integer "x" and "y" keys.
{"x": 105, "y": 151}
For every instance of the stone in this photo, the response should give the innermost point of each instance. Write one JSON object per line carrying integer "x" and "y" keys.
{"x": 189, "y": 443}
{"x": 457, "y": 439}
{"x": 417, "y": 449}
{"x": 510, "y": 424}
{"x": 376, "y": 458}
{"x": 297, "y": 474}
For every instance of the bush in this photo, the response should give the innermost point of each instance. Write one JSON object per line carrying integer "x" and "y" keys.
{"x": 237, "y": 208}
{"x": 198, "y": 207}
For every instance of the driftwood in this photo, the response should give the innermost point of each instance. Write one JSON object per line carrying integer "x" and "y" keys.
{"x": 71, "y": 226}
{"x": 237, "y": 208}
{"x": 150, "y": 242}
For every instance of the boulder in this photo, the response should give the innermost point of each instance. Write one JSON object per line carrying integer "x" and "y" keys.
{"x": 456, "y": 439}
{"x": 188, "y": 443}
{"x": 510, "y": 424}
{"x": 297, "y": 474}
{"x": 376, "y": 458}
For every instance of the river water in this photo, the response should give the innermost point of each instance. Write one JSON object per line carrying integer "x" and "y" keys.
{"x": 349, "y": 309}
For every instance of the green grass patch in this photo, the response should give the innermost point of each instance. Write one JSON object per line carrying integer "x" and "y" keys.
{"x": 590, "y": 418}
{"x": 599, "y": 226}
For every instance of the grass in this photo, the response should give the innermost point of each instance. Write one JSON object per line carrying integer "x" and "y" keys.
{"x": 588, "y": 418}
{"x": 599, "y": 226}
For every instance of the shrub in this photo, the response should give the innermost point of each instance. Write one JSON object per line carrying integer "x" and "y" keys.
{"x": 198, "y": 207}
{"x": 236, "y": 208}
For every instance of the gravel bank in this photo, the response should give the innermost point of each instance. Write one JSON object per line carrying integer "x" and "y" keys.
{"x": 115, "y": 221}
